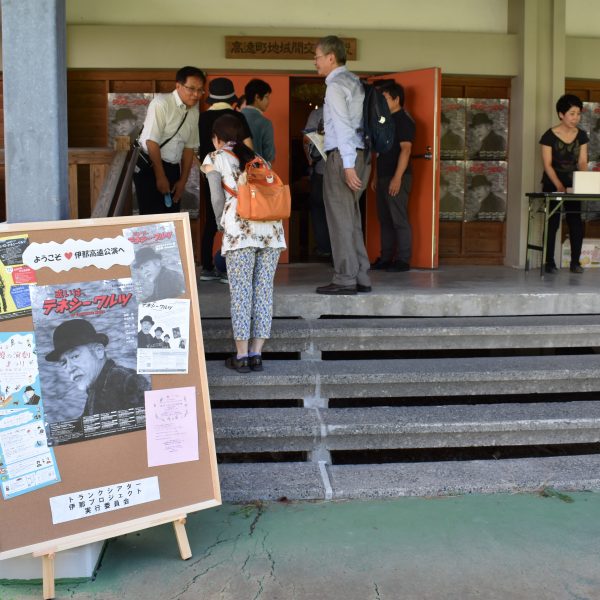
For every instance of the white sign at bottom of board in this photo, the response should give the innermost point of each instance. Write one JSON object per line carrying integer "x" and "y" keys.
{"x": 96, "y": 501}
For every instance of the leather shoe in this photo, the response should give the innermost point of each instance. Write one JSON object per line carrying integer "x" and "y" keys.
{"x": 238, "y": 364}
{"x": 255, "y": 363}
{"x": 576, "y": 269}
{"x": 380, "y": 264}
{"x": 398, "y": 266}
{"x": 550, "y": 268}
{"x": 333, "y": 289}
{"x": 363, "y": 289}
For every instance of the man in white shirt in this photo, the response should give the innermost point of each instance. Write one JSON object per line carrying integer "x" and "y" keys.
{"x": 346, "y": 170}
{"x": 168, "y": 142}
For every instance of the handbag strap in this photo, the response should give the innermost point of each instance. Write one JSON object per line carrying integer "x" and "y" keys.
{"x": 168, "y": 140}
{"x": 176, "y": 131}
{"x": 225, "y": 186}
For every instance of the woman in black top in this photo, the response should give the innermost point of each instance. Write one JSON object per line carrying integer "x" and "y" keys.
{"x": 564, "y": 150}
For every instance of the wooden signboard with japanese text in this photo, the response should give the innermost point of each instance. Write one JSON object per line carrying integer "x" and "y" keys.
{"x": 278, "y": 47}
{"x": 123, "y": 441}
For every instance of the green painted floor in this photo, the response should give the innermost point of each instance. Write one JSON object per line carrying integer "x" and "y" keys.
{"x": 507, "y": 547}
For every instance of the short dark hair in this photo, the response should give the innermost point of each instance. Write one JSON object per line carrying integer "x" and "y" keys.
{"x": 185, "y": 72}
{"x": 332, "y": 44}
{"x": 566, "y": 102}
{"x": 395, "y": 90}
{"x": 256, "y": 87}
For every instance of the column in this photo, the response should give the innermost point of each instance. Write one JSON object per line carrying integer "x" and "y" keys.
{"x": 35, "y": 109}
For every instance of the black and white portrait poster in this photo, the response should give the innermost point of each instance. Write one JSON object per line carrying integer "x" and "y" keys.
{"x": 452, "y": 190}
{"x": 86, "y": 350}
{"x": 487, "y": 128}
{"x": 163, "y": 336}
{"x": 590, "y": 123}
{"x": 485, "y": 193}
{"x": 453, "y": 120}
{"x": 156, "y": 270}
{"x": 126, "y": 114}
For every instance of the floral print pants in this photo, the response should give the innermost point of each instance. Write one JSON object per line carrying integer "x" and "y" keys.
{"x": 250, "y": 272}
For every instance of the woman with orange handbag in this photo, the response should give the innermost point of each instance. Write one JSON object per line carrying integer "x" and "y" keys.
{"x": 251, "y": 248}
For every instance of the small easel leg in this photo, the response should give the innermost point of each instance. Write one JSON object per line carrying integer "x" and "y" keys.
{"x": 48, "y": 576}
{"x": 182, "y": 539}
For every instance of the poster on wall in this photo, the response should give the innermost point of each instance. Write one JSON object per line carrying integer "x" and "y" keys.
{"x": 485, "y": 193}
{"x": 15, "y": 278}
{"x": 591, "y": 125}
{"x": 126, "y": 113}
{"x": 87, "y": 341}
{"x": 487, "y": 128}
{"x": 452, "y": 190}
{"x": 452, "y": 140}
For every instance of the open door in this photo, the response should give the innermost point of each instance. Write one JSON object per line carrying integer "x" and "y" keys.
{"x": 423, "y": 102}
{"x": 278, "y": 113}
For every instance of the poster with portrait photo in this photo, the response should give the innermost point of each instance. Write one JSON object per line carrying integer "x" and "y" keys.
{"x": 487, "y": 128}
{"x": 86, "y": 353}
{"x": 126, "y": 113}
{"x": 156, "y": 270}
{"x": 452, "y": 190}
{"x": 453, "y": 127}
{"x": 163, "y": 336}
{"x": 590, "y": 123}
{"x": 486, "y": 190}
{"x": 591, "y": 208}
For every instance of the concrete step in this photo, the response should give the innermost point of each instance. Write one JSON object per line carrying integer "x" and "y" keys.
{"x": 317, "y": 381}
{"x": 299, "y": 335}
{"x": 300, "y": 429}
{"x": 308, "y": 481}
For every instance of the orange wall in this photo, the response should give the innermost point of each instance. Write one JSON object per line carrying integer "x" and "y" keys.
{"x": 278, "y": 113}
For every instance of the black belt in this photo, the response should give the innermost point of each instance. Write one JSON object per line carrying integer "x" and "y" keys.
{"x": 328, "y": 152}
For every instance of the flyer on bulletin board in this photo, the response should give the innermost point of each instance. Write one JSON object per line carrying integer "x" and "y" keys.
{"x": 26, "y": 461}
{"x": 15, "y": 278}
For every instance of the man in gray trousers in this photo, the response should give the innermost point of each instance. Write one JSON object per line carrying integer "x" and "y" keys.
{"x": 346, "y": 170}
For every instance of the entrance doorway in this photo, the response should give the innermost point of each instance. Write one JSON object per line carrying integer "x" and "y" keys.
{"x": 306, "y": 94}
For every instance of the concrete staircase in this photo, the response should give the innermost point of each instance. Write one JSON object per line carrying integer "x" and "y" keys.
{"x": 380, "y": 407}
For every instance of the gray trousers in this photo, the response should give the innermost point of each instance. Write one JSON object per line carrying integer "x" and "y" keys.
{"x": 396, "y": 233}
{"x": 350, "y": 260}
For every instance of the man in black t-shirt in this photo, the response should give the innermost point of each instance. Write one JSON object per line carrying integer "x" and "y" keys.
{"x": 221, "y": 98}
{"x": 392, "y": 183}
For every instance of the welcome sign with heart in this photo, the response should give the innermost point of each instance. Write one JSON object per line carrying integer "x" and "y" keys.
{"x": 78, "y": 254}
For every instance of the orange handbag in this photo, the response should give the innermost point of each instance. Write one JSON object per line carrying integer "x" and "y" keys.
{"x": 261, "y": 195}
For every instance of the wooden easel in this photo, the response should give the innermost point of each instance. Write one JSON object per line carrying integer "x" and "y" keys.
{"x": 48, "y": 555}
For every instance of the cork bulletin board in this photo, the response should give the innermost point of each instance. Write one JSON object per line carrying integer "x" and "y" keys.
{"x": 96, "y": 459}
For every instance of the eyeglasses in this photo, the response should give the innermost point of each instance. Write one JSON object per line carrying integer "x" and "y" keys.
{"x": 193, "y": 90}
{"x": 318, "y": 56}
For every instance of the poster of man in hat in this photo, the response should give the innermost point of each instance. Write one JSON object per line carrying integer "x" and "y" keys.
{"x": 452, "y": 140}
{"x": 156, "y": 271}
{"x": 452, "y": 190}
{"x": 594, "y": 147}
{"x": 485, "y": 198}
{"x": 166, "y": 319}
{"x": 126, "y": 113}
{"x": 86, "y": 353}
{"x": 487, "y": 129}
